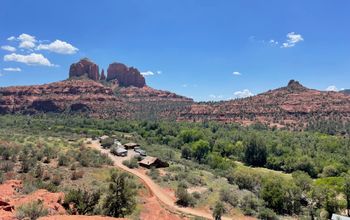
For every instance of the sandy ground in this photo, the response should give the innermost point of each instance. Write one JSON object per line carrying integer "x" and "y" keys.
{"x": 162, "y": 196}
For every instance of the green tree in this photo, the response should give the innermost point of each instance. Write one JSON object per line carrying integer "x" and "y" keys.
{"x": 120, "y": 197}
{"x": 84, "y": 201}
{"x": 272, "y": 193}
{"x": 346, "y": 190}
{"x": 255, "y": 153}
{"x": 200, "y": 150}
{"x": 218, "y": 211}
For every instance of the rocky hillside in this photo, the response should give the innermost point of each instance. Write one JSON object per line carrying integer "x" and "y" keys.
{"x": 346, "y": 91}
{"x": 123, "y": 95}
{"x": 292, "y": 106}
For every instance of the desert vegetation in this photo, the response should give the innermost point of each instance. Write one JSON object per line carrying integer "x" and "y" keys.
{"x": 255, "y": 170}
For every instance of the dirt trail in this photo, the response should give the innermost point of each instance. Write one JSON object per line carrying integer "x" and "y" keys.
{"x": 156, "y": 189}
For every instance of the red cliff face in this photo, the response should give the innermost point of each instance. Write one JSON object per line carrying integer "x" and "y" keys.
{"x": 103, "y": 76}
{"x": 84, "y": 67}
{"x": 126, "y": 76}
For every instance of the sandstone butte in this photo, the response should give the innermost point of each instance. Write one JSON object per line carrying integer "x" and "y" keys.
{"x": 124, "y": 94}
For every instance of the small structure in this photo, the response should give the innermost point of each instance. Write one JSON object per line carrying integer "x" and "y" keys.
{"x": 131, "y": 145}
{"x": 339, "y": 217}
{"x": 104, "y": 137}
{"x": 149, "y": 162}
{"x": 119, "y": 151}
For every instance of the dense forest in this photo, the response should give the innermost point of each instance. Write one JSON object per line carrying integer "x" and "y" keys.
{"x": 314, "y": 179}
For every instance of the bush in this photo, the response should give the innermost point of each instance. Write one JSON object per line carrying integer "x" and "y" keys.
{"x": 183, "y": 197}
{"x": 119, "y": 200}
{"x": 77, "y": 175}
{"x": 153, "y": 173}
{"x": 107, "y": 143}
{"x": 1, "y": 177}
{"x": 84, "y": 202}
{"x": 218, "y": 211}
{"x": 132, "y": 163}
{"x": 250, "y": 204}
{"x": 267, "y": 214}
{"x": 63, "y": 160}
{"x": 32, "y": 210}
{"x": 56, "y": 179}
{"x": 229, "y": 196}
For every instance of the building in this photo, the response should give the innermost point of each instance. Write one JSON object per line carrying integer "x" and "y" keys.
{"x": 119, "y": 151}
{"x": 149, "y": 162}
{"x": 131, "y": 145}
{"x": 339, "y": 217}
{"x": 104, "y": 137}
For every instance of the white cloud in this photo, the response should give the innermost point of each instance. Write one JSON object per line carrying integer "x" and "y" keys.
{"x": 11, "y": 69}
{"x": 58, "y": 46}
{"x": 26, "y": 41}
{"x": 12, "y": 38}
{"x": 292, "y": 40}
{"x": 236, "y": 73}
{"x": 147, "y": 73}
{"x": 212, "y": 96}
{"x": 151, "y": 73}
{"x": 184, "y": 85}
{"x": 1, "y": 74}
{"x": 332, "y": 88}
{"x": 8, "y": 48}
{"x": 31, "y": 59}
{"x": 272, "y": 42}
{"x": 242, "y": 94}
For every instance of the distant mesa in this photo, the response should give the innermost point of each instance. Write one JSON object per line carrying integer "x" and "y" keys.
{"x": 123, "y": 75}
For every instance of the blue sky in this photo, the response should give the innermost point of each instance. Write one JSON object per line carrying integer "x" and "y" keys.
{"x": 197, "y": 45}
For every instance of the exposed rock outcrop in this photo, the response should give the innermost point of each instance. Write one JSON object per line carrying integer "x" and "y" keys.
{"x": 103, "y": 76}
{"x": 125, "y": 76}
{"x": 84, "y": 67}
{"x": 293, "y": 105}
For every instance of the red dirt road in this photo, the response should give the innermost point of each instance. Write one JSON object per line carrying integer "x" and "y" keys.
{"x": 161, "y": 195}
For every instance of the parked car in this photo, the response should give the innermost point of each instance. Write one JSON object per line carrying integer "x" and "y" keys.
{"x": 119, "y": 151}
{"x": 140, "y": 151}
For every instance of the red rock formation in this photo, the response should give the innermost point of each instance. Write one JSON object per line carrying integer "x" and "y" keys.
{"x": 293, "y": 105}
{"x": 125, "y": 76}
{"x": 103, "y": 76}
{"x": 88, "y": 97}
{"x": 84, "y": 67}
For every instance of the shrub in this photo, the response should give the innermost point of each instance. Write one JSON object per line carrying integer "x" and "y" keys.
{"x": 107, "y": 143}
{"x": 132, "y": 163}
{"x": 218, "y": 211}
{"x": 196, "y": 195}
{"x": 32, "y": 210}
{"x": 63, "y": 160}
{"x": 119, "y": 200}
{"x": 229, "y": 196}
{"x": 84, "y": 202}
{"x": 77, "y": 175}
{"x": 56, "y": 179}
{"x": 183, "y": 197}
{"x": 153, "y": 173}
{"x": 267, "y": 214}
{"x": 250, "y": 204}
{"x": 1, "y": 177}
